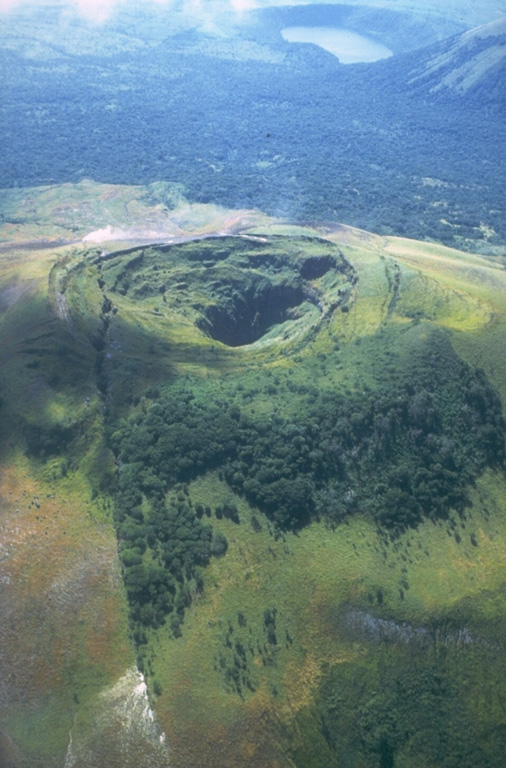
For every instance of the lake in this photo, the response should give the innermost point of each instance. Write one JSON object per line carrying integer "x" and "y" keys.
{"x": 349, "y": 47}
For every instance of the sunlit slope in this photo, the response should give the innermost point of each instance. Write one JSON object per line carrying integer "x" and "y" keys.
{"x": 63, "y": 628}
{"x": 338, "y": 596}
{"x": 332, "y": 642}
{"x": 471, "y": 62}
{"x": 466, "y": 13}
{"x": 67, "y": 661}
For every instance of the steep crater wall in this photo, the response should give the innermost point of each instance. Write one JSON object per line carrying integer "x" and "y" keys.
{"x": 243, "y": 316}
{"x": 236, "y": 289}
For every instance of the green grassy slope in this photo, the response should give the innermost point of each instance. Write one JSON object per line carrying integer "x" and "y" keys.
{"x": 64, "y": 632}
{"x": 336, "y": 638}
{"x": 363, "y": 624}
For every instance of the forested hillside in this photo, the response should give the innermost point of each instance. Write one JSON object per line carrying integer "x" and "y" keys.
{"x": 250, "y": 120}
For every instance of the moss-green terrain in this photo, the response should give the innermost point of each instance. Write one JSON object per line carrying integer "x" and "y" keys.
{"x": 264, "y": 465}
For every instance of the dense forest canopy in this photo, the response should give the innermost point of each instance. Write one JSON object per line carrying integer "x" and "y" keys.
{"x": 401, "y": 448}
{"x": 251, "y": 120}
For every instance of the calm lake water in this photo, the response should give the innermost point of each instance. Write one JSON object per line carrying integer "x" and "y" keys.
{"x": 349, "y": 47}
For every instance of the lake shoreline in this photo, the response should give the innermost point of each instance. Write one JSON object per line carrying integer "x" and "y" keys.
{"x": 349, "y": 47}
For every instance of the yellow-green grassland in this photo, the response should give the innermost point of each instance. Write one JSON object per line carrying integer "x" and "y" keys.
{"x": 252, "y": 490}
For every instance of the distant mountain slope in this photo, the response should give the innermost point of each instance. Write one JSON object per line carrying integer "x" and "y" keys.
{"x": 251, "y": 120}
{"x": 468, "y": 13}
{"x": 474, "y": 61}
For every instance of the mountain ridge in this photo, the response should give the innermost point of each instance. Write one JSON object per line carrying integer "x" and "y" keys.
{"x": 277, "y": 622}
{"x": 472, "y": 64}
{"x": 178, "y": 109}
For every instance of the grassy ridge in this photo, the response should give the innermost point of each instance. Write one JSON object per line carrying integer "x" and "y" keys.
{"x": 312, "y": 579}
{"x": 294, "y": 644}
{"x": 224, "y": 676}
{"x": 64, "y": 632}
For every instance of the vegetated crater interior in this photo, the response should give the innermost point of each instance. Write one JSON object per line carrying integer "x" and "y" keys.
{"x": 247, "y": 309}
{"x": 236, "y": 289}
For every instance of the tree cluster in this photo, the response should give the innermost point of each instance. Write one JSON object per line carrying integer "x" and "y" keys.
{"x": 398, "y": 454}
